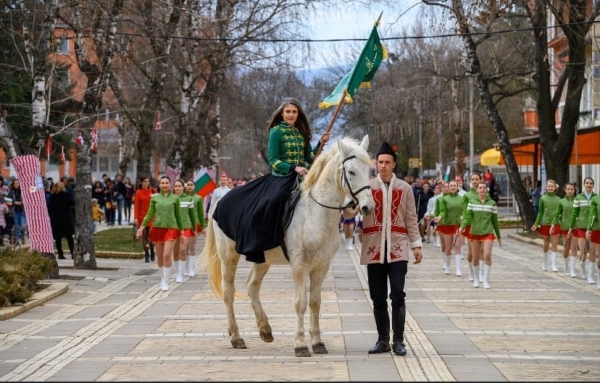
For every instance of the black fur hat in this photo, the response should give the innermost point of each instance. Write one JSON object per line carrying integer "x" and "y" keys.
{"x": 386, "y": 149}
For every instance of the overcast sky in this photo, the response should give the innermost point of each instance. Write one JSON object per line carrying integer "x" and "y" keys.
{"x": 354, "y": 22}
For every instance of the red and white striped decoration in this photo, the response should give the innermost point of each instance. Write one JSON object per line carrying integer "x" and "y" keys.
{"x": 157, "y": 124}
{"x": 34, "y": 202}
{"x": 62, "y": 154}
{"x": 79, "y": 139}
{"x": 94, "y": 145}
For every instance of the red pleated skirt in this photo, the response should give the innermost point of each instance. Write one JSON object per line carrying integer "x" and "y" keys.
{"x": 162, "y": 234}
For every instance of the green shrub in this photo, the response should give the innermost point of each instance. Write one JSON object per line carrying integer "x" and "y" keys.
{"x": 20, "y": 273}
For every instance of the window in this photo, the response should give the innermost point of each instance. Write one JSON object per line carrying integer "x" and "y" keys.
{"x": 63, "y": 46}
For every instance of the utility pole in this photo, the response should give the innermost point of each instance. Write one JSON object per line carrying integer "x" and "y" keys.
{"x": 471, "y": 132}
{"x": 420, "y": 146}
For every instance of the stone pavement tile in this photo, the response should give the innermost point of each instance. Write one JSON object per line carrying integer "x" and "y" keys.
{"x": 452, "y": 344}
{"x": 372, "y": 368}
{"x": 114, "y": 346}
{"x": 28, "y": 348}
{"x": 475, "y": 370}
{"x": 549, "y": 372}
{"x": 98, "y": 310}
{"x": 63, "y": 328}
{"x": 82, "y": 371}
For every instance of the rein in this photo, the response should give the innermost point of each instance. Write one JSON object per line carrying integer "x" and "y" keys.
{"x": 344, "y": 180}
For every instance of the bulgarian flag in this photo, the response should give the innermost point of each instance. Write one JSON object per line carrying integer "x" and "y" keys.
{"x": 203, "y": 184}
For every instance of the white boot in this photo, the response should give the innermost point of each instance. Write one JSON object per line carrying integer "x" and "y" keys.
{"x": 349, "y": 245}
{"x": 471, "y": 271}
{"x": 186, "y": 267}
{"x": 598, "y": 276}
{"x": 457, "y": 258}
{"x": 590, "y": 271}
{"x": 476, "y": 276}
{"x": 180, "y": 269}
{"x": 164, "y": 284}
{"x": 573, "y": 266}
{"x": 446, "y": 264}
{"x": 566, "y": 266}
{"x": 582, "y": 270}
{"x": 553, "y": 259}
{"x": 480, "y": 273}
{"x": 486, "y": 276}
{"x": 544, "y": 260}
{"x": 438, "y": 242}
{"x": 192, "y": 265}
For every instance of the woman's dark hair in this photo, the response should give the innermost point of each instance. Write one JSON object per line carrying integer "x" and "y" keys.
{"x": 301, "y": 123}
{"x": 589, "y": 178}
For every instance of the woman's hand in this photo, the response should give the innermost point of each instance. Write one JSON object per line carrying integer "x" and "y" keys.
{"x": 301, "y": 170}
{"x": 534, "y": 228}
{"x": 325, "y": 138}
{"x": 139, "y": 231}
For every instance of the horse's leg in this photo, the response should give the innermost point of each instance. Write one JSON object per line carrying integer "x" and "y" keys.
{"x": 317, "y": 276}
{"x": 229, "y": 266}
{"x": 253, "y": 285}
{"x": 299, "y": 274}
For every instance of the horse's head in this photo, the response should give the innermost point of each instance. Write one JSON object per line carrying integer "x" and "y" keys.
{"x": 354, "y": 174}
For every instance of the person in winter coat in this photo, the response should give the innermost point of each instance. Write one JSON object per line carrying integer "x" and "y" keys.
{"x": 3, "y": 212}
{"x": 61, "y": 219}
{"x": 17, "y": 209}
{"x": 143, "y": 194}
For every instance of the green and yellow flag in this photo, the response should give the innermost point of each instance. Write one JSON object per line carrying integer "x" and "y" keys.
{"x": 361, "y": 75}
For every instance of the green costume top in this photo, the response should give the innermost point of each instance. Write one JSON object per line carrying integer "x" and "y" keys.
{"x": 188, "y": 212}
{"x": 482, "y": 217}
{"x": 564, "y": 209}
{"x": 472, "y": 193}
{"x": 166, "y": 211}
{"x": 199, "y": 208}
{"x": 451, "y": 208}
{"x": 547, "y": 209}
{"x": 594, "y": 221}
{"x": 286, "y": 150}
{"x": 581, "y": 211}
{"x": 436, "y": 210}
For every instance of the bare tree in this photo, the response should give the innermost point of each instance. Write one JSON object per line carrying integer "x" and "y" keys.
{"x": 574, "y": 21}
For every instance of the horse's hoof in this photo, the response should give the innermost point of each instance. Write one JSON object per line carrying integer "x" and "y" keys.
{"x": 319, "y": 348}
{"x": 266, "y": 336}
{"x": 238, "y": 343}
{"x": 302, "y": 352}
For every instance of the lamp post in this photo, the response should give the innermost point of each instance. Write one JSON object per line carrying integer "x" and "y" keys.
{"x": 421, "y": 146}
{"x": 471, "y": 132}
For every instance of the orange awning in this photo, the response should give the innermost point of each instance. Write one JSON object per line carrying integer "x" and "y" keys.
{"x": 586, "y": 151}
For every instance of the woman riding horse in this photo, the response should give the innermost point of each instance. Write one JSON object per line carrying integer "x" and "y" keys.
{"x": 252, "y": 215}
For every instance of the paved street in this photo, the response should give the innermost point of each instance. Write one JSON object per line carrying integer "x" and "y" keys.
{"x": 115, "y": 324}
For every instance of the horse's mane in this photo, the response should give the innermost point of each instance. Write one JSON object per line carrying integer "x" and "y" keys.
{"x": 326, "y": 159}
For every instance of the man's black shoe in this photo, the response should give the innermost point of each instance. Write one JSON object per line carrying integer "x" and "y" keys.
{"x": 61, "y": 257}
{"x": 399, "y": 349}
{"x": 380, "y": 347}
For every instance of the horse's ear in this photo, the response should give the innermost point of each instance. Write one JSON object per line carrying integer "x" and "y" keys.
{"x": 365, "y": 142}
{"x": 342, "y": 148}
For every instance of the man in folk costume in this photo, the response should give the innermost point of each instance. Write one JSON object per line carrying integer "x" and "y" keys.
{"x": 388, "y": 237}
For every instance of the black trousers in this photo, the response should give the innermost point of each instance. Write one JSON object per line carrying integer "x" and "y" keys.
{"x": 378, "y": 275}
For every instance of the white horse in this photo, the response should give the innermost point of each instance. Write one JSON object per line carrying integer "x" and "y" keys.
{"x": 312, "y": 240}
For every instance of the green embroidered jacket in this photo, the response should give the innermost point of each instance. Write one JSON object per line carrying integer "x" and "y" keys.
{"x": 286, "y": 150}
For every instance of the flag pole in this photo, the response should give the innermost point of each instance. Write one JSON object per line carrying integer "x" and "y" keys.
{"x": 335, "y": 114}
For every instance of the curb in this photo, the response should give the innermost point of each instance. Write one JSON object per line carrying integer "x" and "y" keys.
{"x": 41, "y": 297}
{"x": 531, "y": 241}
{"x": 119, "y": 254}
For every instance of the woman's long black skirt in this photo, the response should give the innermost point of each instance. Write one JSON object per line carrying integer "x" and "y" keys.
{"x": 252, "y": 214}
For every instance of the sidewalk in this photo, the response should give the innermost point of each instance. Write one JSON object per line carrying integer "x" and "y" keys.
{"x": 116, "y": 324}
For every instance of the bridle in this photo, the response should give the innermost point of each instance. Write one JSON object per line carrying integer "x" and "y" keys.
{"x": 344, "y": 180}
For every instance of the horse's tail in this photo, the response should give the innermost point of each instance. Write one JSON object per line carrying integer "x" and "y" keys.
{"x": 210, "y": 260}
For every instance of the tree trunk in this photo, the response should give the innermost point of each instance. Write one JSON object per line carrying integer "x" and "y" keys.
{"x": 85, "y": 252}
{"x": 521, "y": 196}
